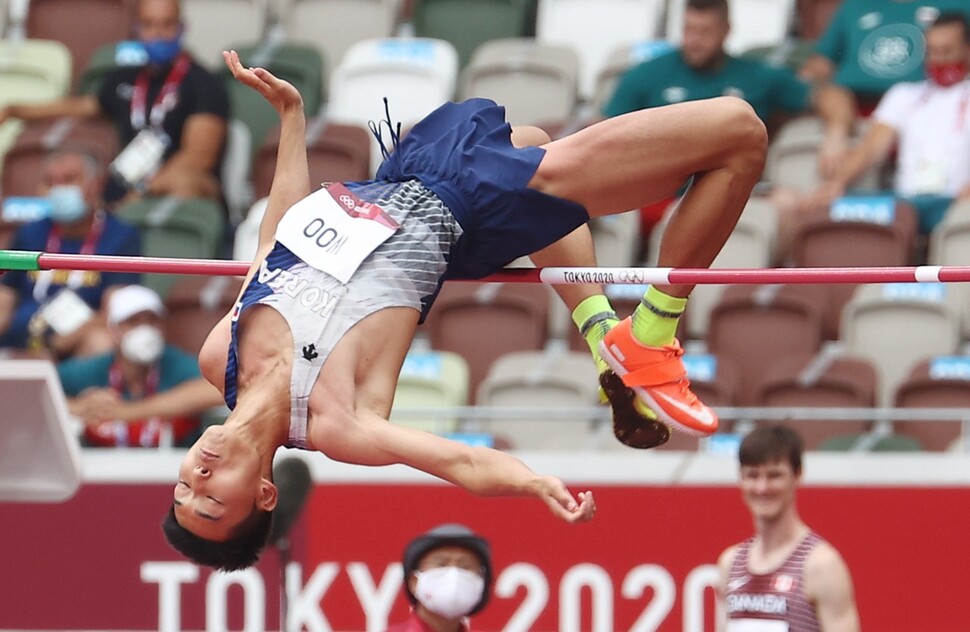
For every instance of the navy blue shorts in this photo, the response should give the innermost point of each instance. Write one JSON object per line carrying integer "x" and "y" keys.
{"x": 463, "y": 152}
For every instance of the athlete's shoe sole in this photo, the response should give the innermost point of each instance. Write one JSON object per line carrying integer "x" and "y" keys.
{"x": 630, "y": 427}
{"x": 695, "y": 420}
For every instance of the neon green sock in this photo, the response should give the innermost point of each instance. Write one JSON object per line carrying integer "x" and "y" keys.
{"x": 655, "y": 318}
{"x": 594, "y": 317}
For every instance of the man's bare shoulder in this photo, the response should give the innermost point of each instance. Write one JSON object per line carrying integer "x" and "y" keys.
{"x": 824, "y": 558}
{"x": 727, "y": 555}
{"x": 825, "y": 570}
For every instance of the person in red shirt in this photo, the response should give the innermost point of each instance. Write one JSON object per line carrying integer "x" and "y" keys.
{"x": 447, "y": 578}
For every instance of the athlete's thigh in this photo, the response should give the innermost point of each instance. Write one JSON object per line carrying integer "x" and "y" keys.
{"x": 632, "y": 160}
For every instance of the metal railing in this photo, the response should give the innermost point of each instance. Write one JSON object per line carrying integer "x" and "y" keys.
{"x": 473, "y": 418}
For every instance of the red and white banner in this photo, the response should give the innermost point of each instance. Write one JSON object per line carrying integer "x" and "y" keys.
{"x": 99, "y": 561}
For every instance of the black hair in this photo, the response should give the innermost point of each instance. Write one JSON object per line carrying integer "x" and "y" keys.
{"x": 237, "y": 553}
{"x": 721, "y": 6}
{"x": 772, "y": 443}
{"x": 948, "y": 18}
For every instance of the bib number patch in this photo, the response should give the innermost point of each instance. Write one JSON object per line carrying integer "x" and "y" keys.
{"x": 333, "y": 230}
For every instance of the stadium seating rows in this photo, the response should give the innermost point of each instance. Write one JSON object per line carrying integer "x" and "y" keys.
{"x": 546, "y": 61}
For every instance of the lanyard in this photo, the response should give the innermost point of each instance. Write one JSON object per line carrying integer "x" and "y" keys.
{"x": 964, "y": 103}
{"x": 116, "y": 382}
{"x": 164, "y": 102}
{"x": 150, "y": 432}
{"x": 74, "y": 280}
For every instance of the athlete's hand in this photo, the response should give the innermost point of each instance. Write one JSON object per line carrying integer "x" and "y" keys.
{"x": 280, "y": 94}
{"x": 562, "y": 503}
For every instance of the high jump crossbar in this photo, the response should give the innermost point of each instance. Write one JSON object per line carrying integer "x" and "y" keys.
{"x": 27, "y": 260}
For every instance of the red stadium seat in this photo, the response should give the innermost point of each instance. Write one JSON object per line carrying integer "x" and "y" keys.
{"x": 755, "y": 325}
{"x": 336, "y": 153}
{"x": 820, "y": 380}
{"x": 824, "y": 241}
{"x": 82, "y": 27}
{"x": 22, "y": 165}
{"x": 194, "y": 304}
{"x": 940, "y": 382}
{"x": 481, "y": 322}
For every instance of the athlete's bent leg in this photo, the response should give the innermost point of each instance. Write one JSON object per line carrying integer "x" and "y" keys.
{"x": 588, "y": 305}
{"x": 632, "y": 160}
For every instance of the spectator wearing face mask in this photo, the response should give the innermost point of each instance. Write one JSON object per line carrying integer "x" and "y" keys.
{"x": 144, "y": 392}
{"x": 929, "y": 120}
{"x": 447, "y": 578}
{"x": 871, "y": 45}
{"x": 171, "y": 114}
{"x": 56, "y": 312}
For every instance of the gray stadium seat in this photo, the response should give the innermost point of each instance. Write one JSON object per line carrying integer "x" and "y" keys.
{"x": 541, "y": 379}
{"x": 896, "y": 325}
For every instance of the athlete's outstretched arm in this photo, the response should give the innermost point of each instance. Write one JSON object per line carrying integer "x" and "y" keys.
{"x": 291, "y": 183}
{"x": 291, "y": 180}
{"x": 372, "y": 440}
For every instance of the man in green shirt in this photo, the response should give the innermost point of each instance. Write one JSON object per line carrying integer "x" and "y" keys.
{"x": 870, "y": 45}
{"x": 702, "y": 69}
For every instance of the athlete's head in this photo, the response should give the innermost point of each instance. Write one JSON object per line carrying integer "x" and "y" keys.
{"x": 223, "y": 502}
{"x": 771, "y": 468}
{"x": 706, "y": 27}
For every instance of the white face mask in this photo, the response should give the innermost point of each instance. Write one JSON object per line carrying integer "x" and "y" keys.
{"x": 67, "y": 203}
{"x": 450, "y": 592}
{"x": 143, "y": 344}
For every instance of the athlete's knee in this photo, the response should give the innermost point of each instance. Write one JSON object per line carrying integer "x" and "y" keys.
{"x": 745, "y": 134}
{"x": 528, "y": 136}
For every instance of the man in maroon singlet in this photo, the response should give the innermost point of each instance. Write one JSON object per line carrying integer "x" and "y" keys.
{"x": 785, "y": 578}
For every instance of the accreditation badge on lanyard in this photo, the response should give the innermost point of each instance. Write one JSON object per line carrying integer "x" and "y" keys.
{"x": 65, "y": 311}
{"x": 333, "y": 230}
{"x": 142, "y": 157}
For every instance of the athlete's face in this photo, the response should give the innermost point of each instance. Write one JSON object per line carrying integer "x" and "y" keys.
{"x": 704, "y": 35}
{"x": 220, "y": 485}
{"x": 769, "y": 489}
